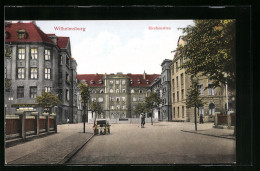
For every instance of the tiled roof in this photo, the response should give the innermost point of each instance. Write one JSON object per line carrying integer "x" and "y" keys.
{"x": 149, "y": 79}
{"x": 62, "y": 42}
{"x": 34, "y": 33}
{"x": 91, "y": 77}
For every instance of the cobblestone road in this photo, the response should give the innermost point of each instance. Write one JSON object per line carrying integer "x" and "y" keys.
{"x": 161, "y": 143}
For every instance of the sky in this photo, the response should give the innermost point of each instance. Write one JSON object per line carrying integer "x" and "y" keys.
{"x": 111, "y": 46}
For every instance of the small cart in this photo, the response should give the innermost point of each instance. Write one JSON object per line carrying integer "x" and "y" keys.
{"x": 101, "y": 127}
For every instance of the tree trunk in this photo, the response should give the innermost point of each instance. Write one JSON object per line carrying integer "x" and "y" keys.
{"x": 195, "y": 118}
{"x": 152, "y": 118}
{"x": 87, "y": 114}
{"x": 94, "y": 118}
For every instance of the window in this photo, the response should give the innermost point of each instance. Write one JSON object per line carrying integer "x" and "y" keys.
{"x": 33, "y": 92}
{"x": 174, "y": 112}
{"x": 182, "y": 94}
{"x": 134, "y": 99}
{"x": 123, "y": 91}
{"x": 177, "y": 82}
{"x": 147, "y": 81}
{"x": 176, "y": 65}
{"x": 47, "y": 55}
{"x": 100, "y": 82}
{"x": 47, "y": 74}
{"x": 100, "y": 99}
{"x": 34, "y": 53}
{"x": 173, "y": 97}
{"x": 92, "y": 82}
{"x": 178, "y": 112}
{"x": 177, "y": 96}
{"x": 182, "y": 112}
{"x": 67, "y": 94}
{"x": 47, "y": 89}
{"x": 117, "y": 81}
{"x": 34, "y": 73}
{"x": 131, "y": 82}
{"x": 132, "y": 91}
{"x": 118, "y": 107}
{"x": 140, "y": 91}
{"x": 22, "y": 34}
{"x": 111, "y": 81}
{"x": 201, "y": 110}
{"x": 101, "y": 91}
{"x": 20, "y": 73}
{"x": 111, "y": 90}
{"x": 124, "y": 107}
{"x": 123, "y": 82}
{"x": 140, "y": 99}
{"x": 182, "y": 79}
{"x": 21, "y": 53}
{"x": 93, "y": 99}
{"x": 117, "y": 90}
{"x": 5, "y": 72}
{"x": 138, "y": 81}
{"x": 201, "y": 89}
{"x": 117, "y": 99}
{"x": 211, "y": 90}
{"x": 61, "y": 60}
{"x": 181, "y": 62}
{"x": 111, "y": 107}
{"x": 211, "y": 108}
{"x": 173, "y": 84}
{"x": 20, "y": 92}
{"x": 94, "y": 91}
{"x": 112, "y": 99}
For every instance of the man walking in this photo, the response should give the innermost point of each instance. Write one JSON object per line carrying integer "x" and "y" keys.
{"x": 142, "y": 120}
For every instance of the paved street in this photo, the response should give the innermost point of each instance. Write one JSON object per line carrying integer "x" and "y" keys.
{"x": 161, "y": 143}
{"x": 52, "y": 149}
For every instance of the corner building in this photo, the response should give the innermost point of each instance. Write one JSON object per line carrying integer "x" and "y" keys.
{"x": 38, "y": 62}
{"x": 118, "y": 93}
{"x": 214, "y": 98}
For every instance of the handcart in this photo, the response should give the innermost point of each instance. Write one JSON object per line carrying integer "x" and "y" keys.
{"x": 101, "y": 127}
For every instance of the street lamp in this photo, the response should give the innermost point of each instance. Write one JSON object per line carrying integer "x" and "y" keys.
{"x": 226, "y": 92}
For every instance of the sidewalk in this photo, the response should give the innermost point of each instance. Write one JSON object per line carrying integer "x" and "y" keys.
{"x": 53, "y": 149}
{"x": 207, "y": 129}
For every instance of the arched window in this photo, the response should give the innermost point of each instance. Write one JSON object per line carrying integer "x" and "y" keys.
{"x": 101, "y": 91}
{"x": 132, "y": 91}
{"x": 211, "y": 108}
{"x": 111, "y": 90}
{"x": 117, "y": 90}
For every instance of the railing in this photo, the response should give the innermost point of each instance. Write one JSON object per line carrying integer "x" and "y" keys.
{"x": 22, "y": 125}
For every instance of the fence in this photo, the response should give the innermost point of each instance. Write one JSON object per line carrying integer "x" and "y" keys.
{"x": 23, "y": 124}
{"x": 225, "y": 120}
{"x": 125, "y": 120}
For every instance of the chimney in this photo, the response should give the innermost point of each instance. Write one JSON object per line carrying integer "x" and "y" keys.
{"x": 144, "y": 75}
{"x": 53, "y": 37}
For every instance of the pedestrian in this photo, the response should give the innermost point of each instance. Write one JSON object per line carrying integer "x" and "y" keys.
{"x": 68, "y": 120}
{"x": 201, "y": 119}
{"x": 142, "y": 120}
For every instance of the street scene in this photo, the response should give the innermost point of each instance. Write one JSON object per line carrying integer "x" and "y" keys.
{"x": 130, "y": 144}
{"x": 94, "y": 92}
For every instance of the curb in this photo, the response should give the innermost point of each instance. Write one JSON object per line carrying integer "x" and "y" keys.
{"x": 209, "y": 135}
{"x": 75, "y": 151}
